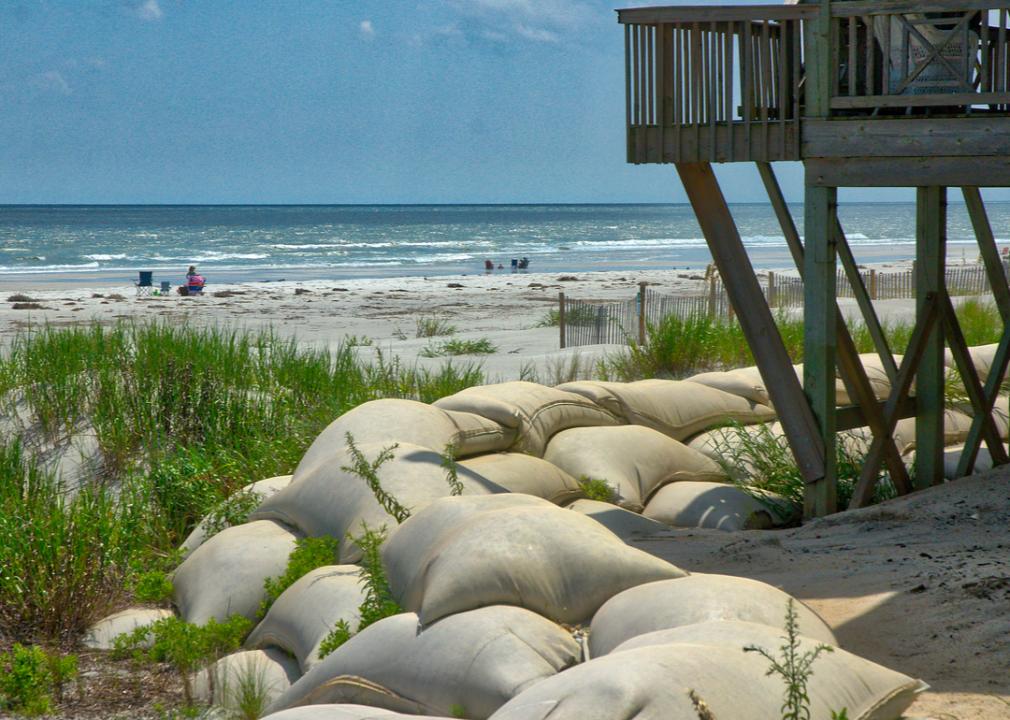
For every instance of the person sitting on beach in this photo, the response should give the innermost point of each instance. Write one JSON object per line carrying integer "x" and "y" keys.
{"x": 194, "y": 281}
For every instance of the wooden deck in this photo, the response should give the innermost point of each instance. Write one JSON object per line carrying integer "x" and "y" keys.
{"x": 729, "y": 84}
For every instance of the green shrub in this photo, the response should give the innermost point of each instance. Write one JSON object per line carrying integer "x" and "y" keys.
{"x": 235, "y": 510}
{"x": 433, "y": 327}
{"x": 482, "y": 346}
{"x": 309, "y": 554}
{"x": 30, "y": 678}
{"x": 596, "y": 489}
{"x": 152, "y": 586}
{"x": 451, "y": 470}
{"x": 378, "y": 602}
{"x": 793, "y": 667}
{"x": 184, "y": 646}
{"x": 368, "y": 470}
{"x": 340, "y": 634}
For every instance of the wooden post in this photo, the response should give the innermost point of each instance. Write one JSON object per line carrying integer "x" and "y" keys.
{"x": 561, "y": 317}
{"x": 771, "y": 289}
{"x": 873, "y": 284}
{"x": 641, "y": 312}
{"x": 930, "y": 252}
{"x": 711, "y": 298}
{"x": 756, "y": 319}
{"x": 820, "y": 277}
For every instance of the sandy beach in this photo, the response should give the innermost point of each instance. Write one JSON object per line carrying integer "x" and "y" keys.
{"x": 864, "y": 572}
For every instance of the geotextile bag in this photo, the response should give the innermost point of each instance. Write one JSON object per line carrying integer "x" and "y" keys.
{"x": 345, "y": 712}
{"x": 535, "y": 412}
{"x": 390, "y": 420}
{"x": 261, "y": 489}
{"x": 519, "y": 473}
{"x": 468, "y": 664}
{"x": 461, "y": 553}
{"x": 623, "y": 523}
{"x": 675, "y": 681}
{"x": 304, "y": 614}
{"x": 634, "y": 461}
{"x": 328, "y": 500}
{"x": 225, "y": 575}
{"x": 269, "y": 671}
{"x": 673, "y": 407}
{"x": 697, "y": 598}
{"x": 719, "y": 506}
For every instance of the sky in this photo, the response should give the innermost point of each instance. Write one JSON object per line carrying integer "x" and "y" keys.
{"x": 324, "y": 101}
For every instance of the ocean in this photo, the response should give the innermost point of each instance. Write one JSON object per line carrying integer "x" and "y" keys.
{"x": 242, "y": 243}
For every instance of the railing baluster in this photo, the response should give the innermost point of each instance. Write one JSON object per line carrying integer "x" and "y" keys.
{"x": 853, "y": 74}
{"x": 871, "y": 55}
{"x": 766, "y": 79}
{"x": 713, "y": 88}
{"x": 730, "y": 113}
{"x": 1001, "y": 52}
{"x": 784, "y": 88}
{"x": 985, "y": 46}
{"x": 679, "y": 78}
{"x": 650, "y": 94}
{"x": 797, "y": 27}
{"x": 746, "y": 74}
{"x": 697, "y": 82}
{"x": 636, "y": 117}
{"x": 886, "y": 54}
{"x": 627, "y": 88}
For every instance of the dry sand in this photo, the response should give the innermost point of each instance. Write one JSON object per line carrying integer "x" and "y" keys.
{"x": 919, "y": 584}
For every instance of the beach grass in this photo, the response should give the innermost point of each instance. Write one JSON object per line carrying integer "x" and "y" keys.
{"x": 179, "y": 419}
{"x": 456, "y": 346}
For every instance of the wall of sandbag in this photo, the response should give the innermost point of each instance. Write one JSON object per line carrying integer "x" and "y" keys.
{"x": 522, "y": 598}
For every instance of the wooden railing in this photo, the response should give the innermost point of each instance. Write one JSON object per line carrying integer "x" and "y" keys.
{"x": 894, "y": 54}
{"x": 728, "y": 83}
{"x": 713, "y": 84}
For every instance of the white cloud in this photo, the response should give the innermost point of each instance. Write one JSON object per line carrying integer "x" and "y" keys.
{"x": 541, "y": 21}
{"x": 53, "y": 81}
{"x": 366, "y": 29}
{"x": 149, "y": 10}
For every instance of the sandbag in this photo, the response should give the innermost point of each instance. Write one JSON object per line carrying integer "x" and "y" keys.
{"x": 304, "y": 614}
{"x": 269, "y": 671}
{"x": 519, "y": 473}
{"x": 955, "y": 430}
{"x": 673, "y": 407}
{"x": 262, "y": 489}
{"x": 388, "y": 421}
{"x": 467, "y": 665}
{"x": 657, "y": 682}
{"x": 345, "y": 712}
{"x": 952, "y": 456}
{"x": 634, "y": 461}
{"x": 748, "y": 383}
{"x": 102, "y": 635}
{"x": 535, "y": 412}
{"x": 1000, "y": 413}
{"x": 623, "y": 523}
{"x": 462, "y": 553}
{"x": 719, "y": 506}
{"x": 330, "y": 501}
{"x": 224, "y": 576}
{"x": 694, "y": 599}
{"x": 726, "y": 445}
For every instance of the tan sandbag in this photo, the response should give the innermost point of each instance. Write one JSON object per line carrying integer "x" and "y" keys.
{"x": 345, "y": 712}
{"x": 748, "y": 383}
{"x": 535, "y": 411}
{"x": 623, "y": 523}
{"x": 102, "y": 635}
{"x": 462, "y": 553}
{"x": 266, "y": 673}
{"x": 719, "y": 506}
{"x": 261, "y": 489}
{"x": 633, "y": 460}
{"x": 466, "y": 665}
{"x": 519, "y": 473}
{"x": 952, "y": 456}
{"x": 880, "y": 381}
{"x": 330, "y": 501}
{"x": 1000, "y": 413}
{"x": 656, "y": 683}
{"x": 224, "y": 576}
{"x": 673, "y": 407}
{"x": 955, "y": 430}
{"x": 700, "y": 597}
{"x": 305, "y": 613}
{"x": 388, "y": 421}
{"x": 982, "y": 357}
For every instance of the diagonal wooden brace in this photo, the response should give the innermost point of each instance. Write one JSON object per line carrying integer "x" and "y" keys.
{"x": 863, "y": 493}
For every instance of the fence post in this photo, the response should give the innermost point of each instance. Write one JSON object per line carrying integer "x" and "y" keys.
{"x": 873, "y": 284}
{"x": 771, "y": 289}
{"x": 711, "y": 297}
{"x": 912, "y": 280}
{"x": 641, "y": 312}
{"x": 561, "y": 317}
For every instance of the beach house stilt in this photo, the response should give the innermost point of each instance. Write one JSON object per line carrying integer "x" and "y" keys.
{"x": 866, "y": 93}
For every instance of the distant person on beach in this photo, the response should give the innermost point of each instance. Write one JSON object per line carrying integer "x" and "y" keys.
{"x": 194, "y": 282}
{"x": 488, "y": 265}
